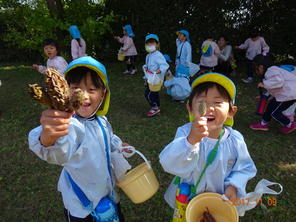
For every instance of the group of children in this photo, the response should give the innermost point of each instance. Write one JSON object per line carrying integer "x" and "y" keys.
{"x": 84, "y": 144}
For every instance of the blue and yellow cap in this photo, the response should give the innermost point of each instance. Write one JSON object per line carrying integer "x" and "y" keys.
{"x": 184, "y": 32}
{"x": 223, "y": 81}
{"x": 151, "y": 36}
{"x": 100, "y": 69}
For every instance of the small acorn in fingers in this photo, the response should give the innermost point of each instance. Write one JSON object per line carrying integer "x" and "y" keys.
{"x": 202, "y": 108}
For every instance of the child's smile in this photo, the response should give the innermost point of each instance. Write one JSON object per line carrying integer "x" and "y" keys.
{"x": 93, "y": 96}
{"x": 217, "y": 109}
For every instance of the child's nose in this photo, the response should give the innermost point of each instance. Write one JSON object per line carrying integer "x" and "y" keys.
{"x": 210, "y": 106}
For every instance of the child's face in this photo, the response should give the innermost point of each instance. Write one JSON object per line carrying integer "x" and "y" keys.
{"x": 151, "y": 46}
{"x": 222, "y": 42}
{"x": 218, "y": 108}
{"x": 124, "y": 32}
{"x": 259, "y": 69}
{"x": 50, "y": 51}
{"x": 181, "y": 37}
{"x": 93, "y": 96}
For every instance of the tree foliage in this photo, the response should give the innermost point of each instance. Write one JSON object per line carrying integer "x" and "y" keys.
{"x": 27, "y": 23}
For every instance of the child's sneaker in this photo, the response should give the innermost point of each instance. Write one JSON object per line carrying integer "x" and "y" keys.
{"x": 248, "y": 80}
{"x": 290, "y": 129}
{"x": 133, "y": 72}
{"x": 126, "y": 72}
{"x": 259, "y": 126}
{"x": 153, "y": 112}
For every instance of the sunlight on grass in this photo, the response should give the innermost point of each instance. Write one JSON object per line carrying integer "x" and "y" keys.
{"x": 15, "y": 67}
{"x": 287, "y": 166}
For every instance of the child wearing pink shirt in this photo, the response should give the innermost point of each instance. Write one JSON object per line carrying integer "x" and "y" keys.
{"x": 128, "y": 49}
{"x": 254, "y": 45}
{"x": 53, "y": 61}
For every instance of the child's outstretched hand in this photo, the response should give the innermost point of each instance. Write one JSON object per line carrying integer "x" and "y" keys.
{"x": 55, "y": 124}
{"x": 199, "y": 130}
{"x": 230, "y": 193}
{"x": 35, "y": 66}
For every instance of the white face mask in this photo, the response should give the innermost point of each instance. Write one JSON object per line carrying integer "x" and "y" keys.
{"x": 150, "y": 48}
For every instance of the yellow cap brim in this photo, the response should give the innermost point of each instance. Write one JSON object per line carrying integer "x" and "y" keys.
{"x": 222, "y": 80}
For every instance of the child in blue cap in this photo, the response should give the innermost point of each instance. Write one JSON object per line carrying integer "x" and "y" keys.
{"x": 128, "y": 49}
{"x": 84, "y": 145}
{"x": 78, "y": 45}
{"x": 211, "y": 108}
{"x": 184, "y": 54}
{"x": 155, "y": 65}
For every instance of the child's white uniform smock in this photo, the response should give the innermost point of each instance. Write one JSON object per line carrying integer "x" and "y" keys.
{"x": 232, "y": 165}
{"x": 57, "y": 62}
{"x": 184, "y": 52}
{"x": 82, "y": 153}
{"x": 155, "y": 61}
{"x": 179, "y": 88}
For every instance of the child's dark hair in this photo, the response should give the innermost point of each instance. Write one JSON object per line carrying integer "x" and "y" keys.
{"x": 204, "y": 87}
{"x": 77, "y": 74}
{"x": 266, "y": 61}
{"x": 151, "y": 41}
{"x": 50, "y": 42}
{"x": 225, "y": 37}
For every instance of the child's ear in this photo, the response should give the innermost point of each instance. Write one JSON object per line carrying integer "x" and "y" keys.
{"x": 188, "y": 108}
{"x": 232, "y": 111}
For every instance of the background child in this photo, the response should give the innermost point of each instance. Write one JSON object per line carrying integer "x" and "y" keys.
{"x": 254, "y": 45}
{"x": 155, "y": 62}
{"x": 128, "y": 49}
{"x": 78, "y": 45}
{"x": 280, "y": 83}
{"x": 209, "y": 54}
{"x": 54, "y": 61}
{"x": 81, "y": 143}
{"x": 184, "y": 54}
{"x": 225, "y": 57}
{"x": 186, "y": 155}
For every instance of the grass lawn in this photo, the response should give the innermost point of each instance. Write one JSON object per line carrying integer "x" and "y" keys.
{"x": 29, "y": 185}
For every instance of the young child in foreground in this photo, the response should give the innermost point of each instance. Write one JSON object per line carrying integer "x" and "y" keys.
{"x": 211, "y": 107}
{"x": 84, "y": 144}
{"x": 50, "y": 48}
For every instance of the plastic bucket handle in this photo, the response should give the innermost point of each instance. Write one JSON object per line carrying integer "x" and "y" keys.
{"x": 144, "y": 158}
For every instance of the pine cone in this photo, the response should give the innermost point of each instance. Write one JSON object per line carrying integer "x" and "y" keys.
{"x": 56, "y": 93}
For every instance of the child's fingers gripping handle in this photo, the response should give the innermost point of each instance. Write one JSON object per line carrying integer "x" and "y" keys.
{"x": 127, "y": 151}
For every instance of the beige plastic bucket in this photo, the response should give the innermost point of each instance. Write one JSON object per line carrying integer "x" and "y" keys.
{"x": 222, "y": 211}
{"x": 155, "y": 88}
{"x": 120, "y": 57}
{"x": 140, "y": 183}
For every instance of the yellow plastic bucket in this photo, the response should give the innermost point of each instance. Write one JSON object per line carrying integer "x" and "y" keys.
{"x": 155, "y": 88}
{"x": 222, "y": 211}
{"x": 120, "y": 57}
{"x": 140, "y": 183}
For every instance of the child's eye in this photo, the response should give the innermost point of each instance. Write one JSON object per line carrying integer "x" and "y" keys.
{"x": 74, "y": 87}
{"x": 218, "y": 103}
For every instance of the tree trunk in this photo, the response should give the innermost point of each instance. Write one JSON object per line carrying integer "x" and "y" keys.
{"x": 55, "y": 8}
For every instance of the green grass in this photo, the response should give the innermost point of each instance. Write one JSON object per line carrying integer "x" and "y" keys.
{"x": 29, "y": 185}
